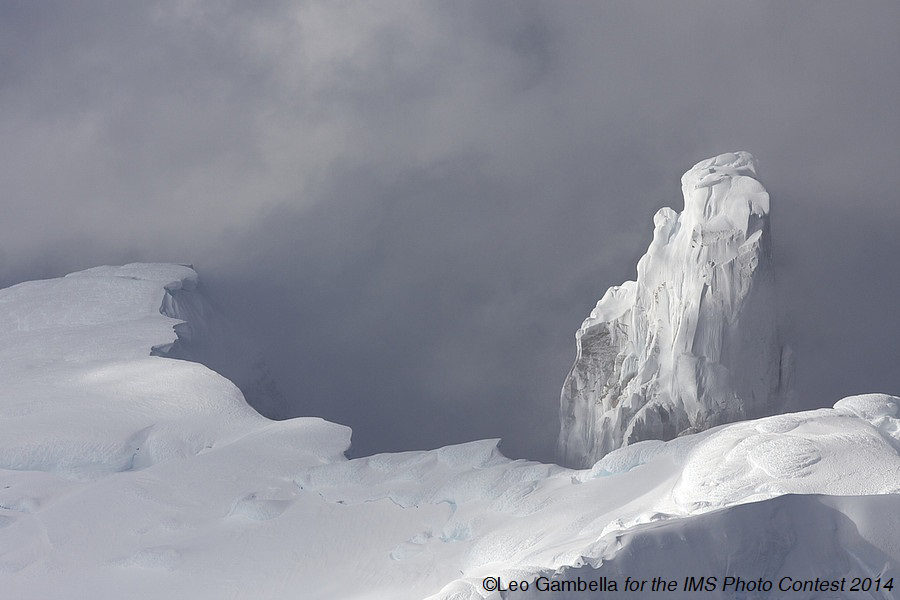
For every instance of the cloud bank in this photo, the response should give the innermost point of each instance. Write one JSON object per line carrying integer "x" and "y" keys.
{"x": 410, "y": 206}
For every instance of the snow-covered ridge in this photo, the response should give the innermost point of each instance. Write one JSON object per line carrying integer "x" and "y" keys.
{"x": 785, "y": 540}
{"x": 82, "y": 395}
{"x": 128, "y": 474}
{"x": 691, "y": 343}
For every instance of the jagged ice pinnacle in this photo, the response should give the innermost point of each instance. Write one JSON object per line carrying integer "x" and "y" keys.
{"x": 692, "y": 343}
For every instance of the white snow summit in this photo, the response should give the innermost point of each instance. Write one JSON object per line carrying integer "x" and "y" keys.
{"x": 691, "y": 343}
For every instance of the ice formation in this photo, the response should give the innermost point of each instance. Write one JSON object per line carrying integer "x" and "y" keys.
{"x": 692, "y": 343}
{"x": 129, "y": 475}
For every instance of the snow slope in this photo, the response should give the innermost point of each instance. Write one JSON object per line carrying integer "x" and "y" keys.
{"x": 129, "y": 475}
{"x": 692, "y": 342}
{"x": 783, "y": 540}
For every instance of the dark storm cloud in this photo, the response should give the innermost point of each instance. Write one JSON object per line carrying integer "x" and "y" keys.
{"x": 411, "y": 206}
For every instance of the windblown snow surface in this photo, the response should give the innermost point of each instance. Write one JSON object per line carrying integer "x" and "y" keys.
{"x": 130, "y": 475}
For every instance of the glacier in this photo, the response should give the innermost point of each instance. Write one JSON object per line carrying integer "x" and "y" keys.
{"x": 692, "y": 342}
{"x": 126, "y": 473}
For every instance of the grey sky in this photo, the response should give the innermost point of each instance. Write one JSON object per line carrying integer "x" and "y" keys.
{"x": 411, "y": 206}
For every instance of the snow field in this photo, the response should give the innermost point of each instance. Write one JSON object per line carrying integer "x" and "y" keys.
{"x": 128, "y": 474}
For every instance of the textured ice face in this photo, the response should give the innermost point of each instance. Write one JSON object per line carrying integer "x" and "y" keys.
{"x": 692, "y": 342}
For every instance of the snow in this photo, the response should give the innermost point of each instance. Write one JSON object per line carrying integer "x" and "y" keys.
{"x": 691, "y": 343}
{"x": 129, "y": 475}
{"x": 781, "y": 540}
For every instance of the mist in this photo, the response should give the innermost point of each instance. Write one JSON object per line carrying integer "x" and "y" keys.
{"x": 407, "y": 209}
